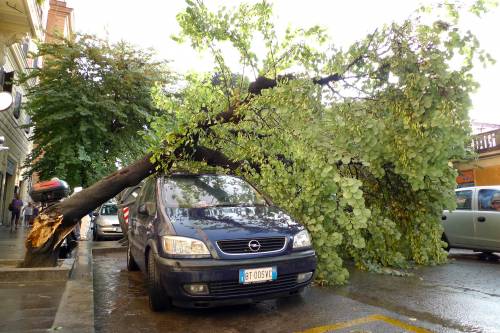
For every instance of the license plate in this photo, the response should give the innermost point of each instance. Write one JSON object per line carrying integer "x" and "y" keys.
{"x": 256, "y": 275}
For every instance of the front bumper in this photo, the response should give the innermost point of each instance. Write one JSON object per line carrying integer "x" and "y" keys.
{"x": 109, "y": 231}
{"x": 222, "y": 277}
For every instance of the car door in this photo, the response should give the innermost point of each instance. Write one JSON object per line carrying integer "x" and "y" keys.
{"x": 487, "y": 221}
{"x": 127, "y": 203}
{"x": 146, "y": 211}
{"x": 138, "y": 222}
{"x": 459, "y": 224}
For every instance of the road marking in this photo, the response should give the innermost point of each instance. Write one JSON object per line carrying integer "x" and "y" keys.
{"x": 364, "y": 320}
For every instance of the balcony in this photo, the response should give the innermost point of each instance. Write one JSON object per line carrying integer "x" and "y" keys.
{"x": 486, "y": 142}
{"x": 20, "y": 17}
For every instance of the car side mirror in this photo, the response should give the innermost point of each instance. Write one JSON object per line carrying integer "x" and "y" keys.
{"x": 147, "y": 209}
{"x": 95, "y": 213}
{"x": 142, "y": 209}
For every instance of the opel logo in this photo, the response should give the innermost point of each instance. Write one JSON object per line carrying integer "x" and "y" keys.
{"x": 254, "y": 245}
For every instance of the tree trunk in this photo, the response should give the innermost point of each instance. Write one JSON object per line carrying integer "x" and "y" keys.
{"x": 56, "y": 222}
{"x": 47, "y": 233}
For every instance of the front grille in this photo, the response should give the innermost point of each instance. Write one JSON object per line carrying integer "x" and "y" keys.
{"x": 241, "y": 246}
{"x": 234, "y": 288}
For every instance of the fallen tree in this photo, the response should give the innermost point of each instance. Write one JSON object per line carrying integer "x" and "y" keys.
{"x": 355, "y": 144}
{"x": 57, "y": 221}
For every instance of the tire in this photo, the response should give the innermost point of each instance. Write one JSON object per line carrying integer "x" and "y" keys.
{"x": 158, "y": 299}
{"x": 444, "y": 239}
{"x": 131, "y": 264}
{"x": 96, "y": 236}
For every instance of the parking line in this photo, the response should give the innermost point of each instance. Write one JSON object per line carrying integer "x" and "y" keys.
{"x": 364, "y": 320}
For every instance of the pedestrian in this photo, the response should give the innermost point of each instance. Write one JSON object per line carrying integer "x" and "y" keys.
{"x": 15, "y": 208}
{"x": 495, "y": 201}
{"x": 28, "y": 214}
{"x": 36, "y": 211}
{"x": 84, "y": 227}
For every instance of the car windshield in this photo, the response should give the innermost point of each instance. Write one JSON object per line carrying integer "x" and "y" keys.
{"x": 209, "y": 191}
{"x": 109, "y": 210}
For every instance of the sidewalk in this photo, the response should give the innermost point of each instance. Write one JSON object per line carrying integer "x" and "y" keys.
{"x": 25, "y": 307}
{"x": 42, "y": 306}
{"x": 12, "y": 243}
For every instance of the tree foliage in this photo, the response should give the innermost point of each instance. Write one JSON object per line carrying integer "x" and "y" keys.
{"x": 355, "y": 143}
{"x": 91, "y": 99}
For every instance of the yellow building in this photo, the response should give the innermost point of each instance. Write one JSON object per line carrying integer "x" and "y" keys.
{"x": 485, "y": 170}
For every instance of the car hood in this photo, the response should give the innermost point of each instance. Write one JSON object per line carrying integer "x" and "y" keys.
{"x": 217, "y": 223}
{"x": 107, "y": 219}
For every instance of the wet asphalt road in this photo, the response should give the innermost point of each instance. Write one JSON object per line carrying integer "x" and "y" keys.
{"x": 463, "y": 296}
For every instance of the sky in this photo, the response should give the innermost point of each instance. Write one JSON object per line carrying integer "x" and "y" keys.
{"x": 150, "y": 23}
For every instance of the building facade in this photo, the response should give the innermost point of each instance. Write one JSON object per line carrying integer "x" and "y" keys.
{"x": 485, "y": 170}
{"x": 22, "y": 22}
{"x": 60, "y": 21}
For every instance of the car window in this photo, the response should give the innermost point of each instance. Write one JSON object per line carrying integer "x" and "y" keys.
{"x": 109, "y": 210}
{"x": 147, "y": 192}
{"x": 464, "y": 200}
{"x": 209, "y": 190}
{"x": 488, "y": 199}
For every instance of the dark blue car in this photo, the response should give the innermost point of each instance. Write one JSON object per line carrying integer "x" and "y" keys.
{"x": 205, "y": 240}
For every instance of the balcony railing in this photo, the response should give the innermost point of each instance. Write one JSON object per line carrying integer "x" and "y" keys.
{"x": 486, "y": 141}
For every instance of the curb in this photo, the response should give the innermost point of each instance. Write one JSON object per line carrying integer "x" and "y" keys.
{"x": 10, "y": 273}
{"x": 76, "y": 308}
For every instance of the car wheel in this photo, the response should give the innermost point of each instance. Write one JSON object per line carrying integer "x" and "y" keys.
{"x": 444, "y": 239}
{"x": 131, "y": 264}
{"x": 158, "y": 299}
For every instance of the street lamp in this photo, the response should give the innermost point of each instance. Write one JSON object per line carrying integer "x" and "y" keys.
{"x": 2, "y": 140}
{"x": 6, "y": 100}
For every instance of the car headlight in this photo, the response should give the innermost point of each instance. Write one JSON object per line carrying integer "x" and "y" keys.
{"x": 301, "y": 239}
{"x": 185, "y": 247}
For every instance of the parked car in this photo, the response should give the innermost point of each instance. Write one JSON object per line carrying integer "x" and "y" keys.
{"x": 475, "y": 224}
{"x": 125, "y": 202}
{"x": 106, "y": 225}
{"x": 207, "y": 240}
